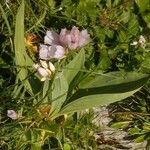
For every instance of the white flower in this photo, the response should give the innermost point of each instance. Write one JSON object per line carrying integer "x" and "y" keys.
{"x": 51, "y": 67}
{"x": 134, "y": 43}
{"x": 142, "y": 41}
{"x": 44, "y": 70}
{"x": 12, "y": 114}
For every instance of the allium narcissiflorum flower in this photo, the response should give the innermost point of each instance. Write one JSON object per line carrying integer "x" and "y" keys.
{"x": 12, "y": 114}
{"x": 45, "y": 70}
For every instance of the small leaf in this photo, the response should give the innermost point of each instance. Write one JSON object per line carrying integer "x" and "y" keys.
{"x": 143, "y": 4}
{"x": 120, "y": 124}
{"x": 67, "y": 146}
{"x": 134, "y": 131}
{"x": 140, "y": 139}
{"x": 146, "y": 17}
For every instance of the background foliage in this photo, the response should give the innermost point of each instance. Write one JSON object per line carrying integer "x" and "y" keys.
{"x": 113, "y": 26}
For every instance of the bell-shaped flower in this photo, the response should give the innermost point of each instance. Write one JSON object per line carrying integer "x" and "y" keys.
{"x": 12, "y": 114}
{"x": 51, "y": 52}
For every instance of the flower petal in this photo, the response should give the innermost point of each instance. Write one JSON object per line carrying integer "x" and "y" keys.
{"x": 56, "y": 51}
{"x": 36, "y": 66}
{"x": 44, "y": 52}
{"x": 43, "y": 64}
{"x": 43, "y": 72}
{"x": 62, "y": 36}
{"x": 73, "y": 41}
{"x": 84, "y": 38}
{"x": 51, "y": 67}
{"x": 51, "y": 38}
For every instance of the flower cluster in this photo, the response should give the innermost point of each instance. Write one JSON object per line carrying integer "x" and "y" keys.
{"x": 55, "y": 47}
{"x": 55, "y": 44}
{"x": 44, "y": 70}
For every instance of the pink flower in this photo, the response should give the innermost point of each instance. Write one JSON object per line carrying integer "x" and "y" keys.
{"x": 50, "y": 52}
{"x": 84, "y": 38}
{"x": 74, "y": 39}
{"x": 51, "y": 38}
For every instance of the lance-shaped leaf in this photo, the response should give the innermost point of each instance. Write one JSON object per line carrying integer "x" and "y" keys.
{"x": 102, "y": 90}
{"x": 74, "y": 66}
{"x": 21, "y": 57}
{"x": 59, "y": 93}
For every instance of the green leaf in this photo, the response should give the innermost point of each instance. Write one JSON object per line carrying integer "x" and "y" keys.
{"x": 5, "y": 18}
{"x": 121, "y": 125}
{"x": 36, "y": 146}
{"x": 146, "y": 17}
{"x": 95, "y": 100}
{"x": 134, "y": 131}
{"x": 143, "y": 4}
{"x": 140, "y": 139}
{"x": 105, "y": 90}
{"x": 23, "y": 61}
{"x": 67, "y": 146}
{"x": 114, "y": 80}
{"x": 122, "y": 36}
{"x": 46, "y": 89}
{"x": 59, "y": 93}
{"x": 74, "y": 66}
{"x": 104, "y": 60}
{"x": 146, "y": 127}
{"x": 21, "y": 57}
{"x": 145, "y": 66}
{"x": 133, "y": 26}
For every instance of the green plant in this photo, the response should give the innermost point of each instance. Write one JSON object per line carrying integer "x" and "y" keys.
{"x": 94, "y": 75}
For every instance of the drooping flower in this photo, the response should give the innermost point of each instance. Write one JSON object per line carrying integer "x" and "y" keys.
{"x": 12, "y": 114}
{"x": 44, "y": 70}
{"x": 51, "y": 52}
